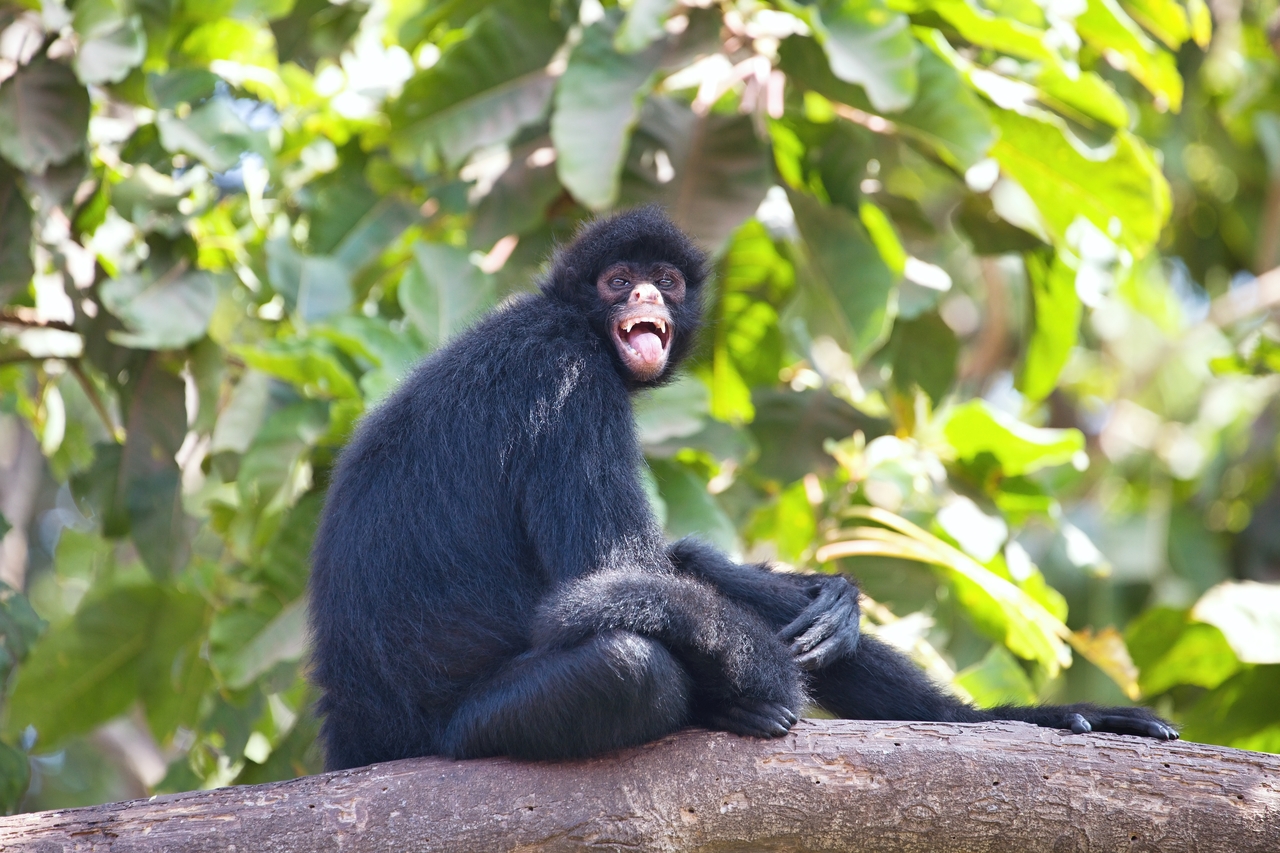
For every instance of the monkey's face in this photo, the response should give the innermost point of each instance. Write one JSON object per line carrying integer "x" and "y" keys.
{"x": 644, "y": 302}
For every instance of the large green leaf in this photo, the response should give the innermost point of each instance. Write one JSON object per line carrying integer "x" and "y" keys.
{"x": 1118, "y": 188}
{"x": 111, "y": 43}
{"x": 442, "y": 292}
{"x": 313, "y": 287}
{"x": 485, "y": 87}
{"x": 847, "y": 274}
{"x": 719, "y": 168}
{"x": 91, "y": 668}
{"x": 871, "y": 46}
{"x": 691, "y": 510}
{"x": 923, "y": 351}
{"x": 1056, "y": 309}
{"x": 44, "y": 114}
{"x": 213, "y": 133}
{"x": 976, "y": 428}
{"x": 642, "y": 25}
{"x": 161, "y": 309}
{"x": 754, "y": 280}
{"x": 1105, "y": 26}
{"x": 947, "y": 116}
{"x": 283, "y": 639}
{"x": 1165, "y": 19}
{"x": 312, "y": 365}
{"x": 597, "y": 104}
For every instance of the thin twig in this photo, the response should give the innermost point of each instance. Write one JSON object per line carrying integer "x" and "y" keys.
{"x": 91, "y": 391}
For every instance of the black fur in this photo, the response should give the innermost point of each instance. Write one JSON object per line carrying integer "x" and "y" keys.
{"x": 488, "y": 578}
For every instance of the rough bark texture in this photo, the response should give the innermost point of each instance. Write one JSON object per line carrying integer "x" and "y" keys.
{"x": 830, "y": 785}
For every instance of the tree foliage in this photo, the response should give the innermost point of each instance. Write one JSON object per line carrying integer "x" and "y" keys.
{"x": 984, "y": 329}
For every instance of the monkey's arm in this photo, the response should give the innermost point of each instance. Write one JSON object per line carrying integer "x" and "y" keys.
{"x": 816, "y": 614}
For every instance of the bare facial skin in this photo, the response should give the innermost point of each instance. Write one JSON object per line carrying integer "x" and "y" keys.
{"x": 640, "y": 323}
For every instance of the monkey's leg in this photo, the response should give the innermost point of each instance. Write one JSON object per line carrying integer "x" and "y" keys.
{"x": 613, "y": 690}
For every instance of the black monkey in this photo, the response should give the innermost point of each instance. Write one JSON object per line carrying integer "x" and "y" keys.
{"x": 488, "y": 578}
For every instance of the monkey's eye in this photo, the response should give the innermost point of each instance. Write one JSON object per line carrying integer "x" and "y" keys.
{"x": 619, "y": 282}
{"x": 665, "y": 282}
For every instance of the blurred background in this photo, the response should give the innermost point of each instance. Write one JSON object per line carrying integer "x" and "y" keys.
{"x": 992, "y": 328}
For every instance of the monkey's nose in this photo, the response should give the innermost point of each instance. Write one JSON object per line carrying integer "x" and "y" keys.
{"x": 646, "y": 292}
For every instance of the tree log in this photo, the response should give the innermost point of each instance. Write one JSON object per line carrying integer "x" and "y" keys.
{"x": 836, "y": 785}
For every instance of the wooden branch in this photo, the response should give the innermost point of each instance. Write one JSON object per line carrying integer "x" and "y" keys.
{"x": 831, "y": 785}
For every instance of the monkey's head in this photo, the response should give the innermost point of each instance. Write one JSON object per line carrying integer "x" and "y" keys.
{"x": 638, "y": 279}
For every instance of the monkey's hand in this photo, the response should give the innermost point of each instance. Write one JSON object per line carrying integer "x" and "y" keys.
{"x": 1083, "y": 717}
{"x": 754, "y": 718}
{"x": 827, "y": 629}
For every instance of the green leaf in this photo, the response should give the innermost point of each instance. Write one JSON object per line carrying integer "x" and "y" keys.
{"x": 376, "y": 230}
{"x": 1241, "y": 712}
{"x": 997, "y": 680}
{"x": 754, "y": 280}
{"x": 1200, "y": 656}
{"x": 642, "y": 25}
{"x": 243, "y": 41}
{"x": 213, "y": 133}
{"x": 111, "y": 44}
{"x": 86, "y": 671}
{"x": 1120, "y": 188}
{"x": 597, "y": 104}
{"x": 1085, "y": 96}
{"x": 271, "y": 462}
{"x": 870, "y": 46}
{"x": 311, "y": 365}
{"x": 691, "y": 510}
{"x": 313, "y": 287}
{"x": 173, "y": 672}
{"x": 19, "y": 627}
{"x": 15, "y": 776}
{"x": 44, "y": 115}
{"x": 283, "y": 639}
{"x": 847, "y": 274}
{"x": 166, "y": 310}
{"x": 975, "y": 428}
{"x": 947, "y": 116}
{"x": 719, "y": 174}
{"x": 1057, "y": 311}
{"x": 1105, "y": 26}
{"x": 924, "y": 354}
{"x": 486, "y": 86}
{"x": 1165, "y": 19}
{"x": 997, "y": 32}
{"x": 442, "y": 292}
{"x": 1248, "y": 615}
{"x": 16, "y": 268}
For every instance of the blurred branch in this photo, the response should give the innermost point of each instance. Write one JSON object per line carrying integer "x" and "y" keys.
{"x": 26, "y": 317}
{"x": 1268, "y": 250}
{"x": 91, "y": 391}
{"x": 829, "y": 785}
{"x": 991, "y": 344}
{"x": 1261, "y": 294}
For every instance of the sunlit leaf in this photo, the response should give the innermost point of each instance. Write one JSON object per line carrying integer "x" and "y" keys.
{"x": 975, "y": 428}
{"x": 871, "y": 46}
{"x": 312, "y": 365}
{"x": 1118, "y": 188}
{"x": 1106, "y": 650}
{"x": 1105, "y": 26}
{"x": 283, "y": 639}
{"x": 642, "y": 25}
{"x": 1248, "y": 615}
{"x": 849, "y": 275}
{"x": 1165, "y": 19}
{"x": 1056, "y": 309}
{"x": 997, "y": 679}
{"x": 111, "y": 44}
{"x": 213, "y": 133}
{"x": 484, "y": 87}
{"x": 597, "y": 104}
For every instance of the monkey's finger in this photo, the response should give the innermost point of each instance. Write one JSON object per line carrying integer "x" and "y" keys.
{"x": 830, "y": 596}
{"x": 756, "y": 719}
{"x": 1078, "y": 724}
{"x": 1124, "y": 725}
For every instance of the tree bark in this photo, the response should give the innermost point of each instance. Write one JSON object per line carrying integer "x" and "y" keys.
{"x": 835, "y": 785}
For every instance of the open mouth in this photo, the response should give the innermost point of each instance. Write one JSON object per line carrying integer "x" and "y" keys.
{"x": 643, "y": 342}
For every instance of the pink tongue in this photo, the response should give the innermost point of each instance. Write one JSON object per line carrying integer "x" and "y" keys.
{"x": 647, "y": 344}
